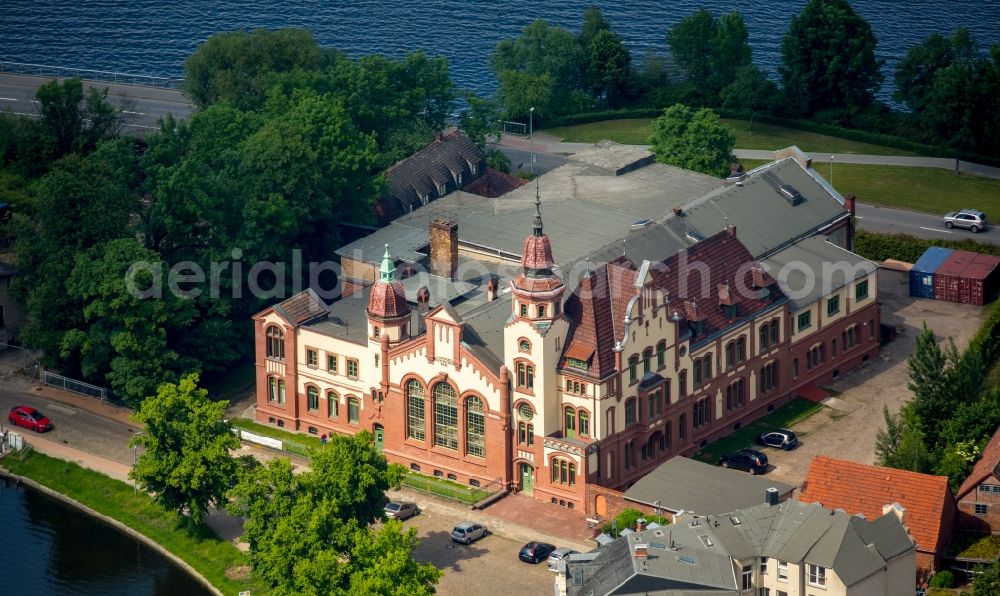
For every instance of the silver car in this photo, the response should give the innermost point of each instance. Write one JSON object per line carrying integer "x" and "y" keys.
{"x": 558, "y": 555}
{"x": 971, "y": 219}
{"x": 400, "y": 510}
{"x": 467, "y": 532}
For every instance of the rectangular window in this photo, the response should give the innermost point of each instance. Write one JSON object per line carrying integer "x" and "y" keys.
{"x": 661, "y": 353}
{"x": 775, "y": 333}
{"x": 984, "y": 488}
{"x": 630, "y": 412}
{"x": 981, "y": 508}
{"x": 763, "y": 564}
{"x": 584, "y": 424}
{"x": 682, "y": 432}
{"x": 747, "y": 577}
{"x": 629, "y": 455}
{"x": 331, "y": 363}
{"x": 996, "y": 488}
{"x": 697, "y": 373}
{"x": 871, "y": 328}
{"x": 783, "y": 570}
{"x": 816, "y": 575}
{"x": 312, "y": 399}
{"x": 352, "y": 369}
{"x": 805, "y": 320}
{"x": 646, "y": 359}
{"x": 353, "y": 410}
{"x": 763, "y": 591}
{"x": 312, "y": 358}
{"x": 272, "y": 389}
{"x": 795, "y": 368}
{"x": 682, "y": 384}
{"x": 576, "y": 363}
{"x": 833, "y": 306}
{"x": 415, "y": 417}
{"x": 861, "y": 290}
{"x": 332, "y": 404}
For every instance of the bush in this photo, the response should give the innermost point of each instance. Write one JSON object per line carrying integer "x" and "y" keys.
{"x": 903, "y": 247}
{"x": 987, "y": 339}
{"x": 628, "y": 517}
{"x": 943, "y": 579}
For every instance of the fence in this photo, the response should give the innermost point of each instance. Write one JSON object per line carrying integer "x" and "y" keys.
{"x": 519, "y": 129}
{"x": 14, "y": 359}
{"x": 75, "y": 386}
{"x": 108, "y": 76}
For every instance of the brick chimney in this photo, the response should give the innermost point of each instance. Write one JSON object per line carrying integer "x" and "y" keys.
{"x": 731, "y": 229}
{"x": 444, "y": 248}
{"x": 849, "y": 204}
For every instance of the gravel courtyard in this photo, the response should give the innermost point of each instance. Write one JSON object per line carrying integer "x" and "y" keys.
{"x": 847, "y": 428}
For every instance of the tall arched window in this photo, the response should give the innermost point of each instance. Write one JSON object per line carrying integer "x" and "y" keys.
{"x": 647, "y": 358}
{"x": 569, "y": 422}
{"x": 415, "y": 410}
{"x": 281, "y": 391}
{"x": 275, "y": 343}
{"x": 730, "y": 355}
{"x": 272, "y": 389}
{"x": 332, "y": 404}
{"x": 563, "y": 472}
{"x": 445, "y": 416}
{"x": 741, "y": 349}
{"x": 633, "y": 368}
{"x": 775, "y": 332}
{"x": 475, "y": 427}
{"x": 312, "y": 399}
{"x": 764, "y": 336}
{"x": 353, "y": 410}
{"x": 661, "y": 354}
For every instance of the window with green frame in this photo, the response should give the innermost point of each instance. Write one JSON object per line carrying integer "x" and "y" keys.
{"x": 576, "y": 363}
{"x": 633, "y": 368}
{"x": 630, "y": 412}
{"x": 804, "y": 320}
{"x": 353, "y": 410}
{"x": 569, "y": 426}
{"x": 332, "y": 404}
{"x": 833, "y": 306}
{"x": 661, "y": 354}
{"x": 584, "y": 424}
{"x": 352, "y": 369}
{"x": 312, "y": 399}
{"x": 861, "y": 290}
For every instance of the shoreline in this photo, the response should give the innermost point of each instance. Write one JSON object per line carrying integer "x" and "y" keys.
{"x": 114, "y": 523}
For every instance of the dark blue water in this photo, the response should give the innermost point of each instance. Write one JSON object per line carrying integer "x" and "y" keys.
{"x": 153, "y": 37}
{"x": 48, "y": 547}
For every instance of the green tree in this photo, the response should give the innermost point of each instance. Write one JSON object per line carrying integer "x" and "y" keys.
{"x": 693, "y": 140}
{"x": 750, "y": 92}
{"x": 828, "y": 60}
{"x": 928, "y": 380}
{"x": 690, "y": 45}
{"x": 986, "y": 581}
{"x": 187, "y": 463}
{"x": 310, "y": 532}
{"x": 917, "y": 70}
{"x": 729, "y": 51}
{"x": 126, "y": 338}
{"x": 593, "y": 23}
{"x": 609, "y": 69}
{"x": 237, "y": 67}
{"x": 542, "y": 68}
{"x": 481, "y": 120}
{"x": 887, "y": 440}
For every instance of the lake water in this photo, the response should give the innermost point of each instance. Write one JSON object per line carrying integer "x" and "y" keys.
{"x": 154, "y": 37}
{"x": 48, "y": 547}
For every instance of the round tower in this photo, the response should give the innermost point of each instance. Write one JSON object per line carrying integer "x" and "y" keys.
{"x": 537, "y": 290}
{"x": 388, "y": 311}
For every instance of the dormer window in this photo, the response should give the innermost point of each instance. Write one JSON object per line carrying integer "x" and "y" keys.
{"x": 458, "y": 178}
{"x": 424, "y": 199}
{"x": 441, "y": 189}
{"x": 475, "y": 168}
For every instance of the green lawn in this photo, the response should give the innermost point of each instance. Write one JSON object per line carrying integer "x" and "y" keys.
{"x": 635, "y": 131}
{"x": 783, "y": 417}
{"x": 441, "y": 487}
{"x": 292, "y": 442}
{"x": 929, "y": 190}
{"x": 201, "y": 548}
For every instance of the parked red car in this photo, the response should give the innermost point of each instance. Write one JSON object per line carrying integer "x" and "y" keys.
{"x": 30, "y": 418}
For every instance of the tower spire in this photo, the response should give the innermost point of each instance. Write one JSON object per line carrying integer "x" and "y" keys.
{"x": 538, "y": 210}
{"x": 388, "y": 268}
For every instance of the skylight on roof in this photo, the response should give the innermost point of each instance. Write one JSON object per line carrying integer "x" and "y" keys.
{"x": 686, "y": 559}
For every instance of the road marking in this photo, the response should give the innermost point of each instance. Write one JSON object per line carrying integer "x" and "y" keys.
{"x": 8, "y": 99}
{"x": 134, "y": 113}
{"x": 858, "y": 217}
{"x": 937, "y": 230}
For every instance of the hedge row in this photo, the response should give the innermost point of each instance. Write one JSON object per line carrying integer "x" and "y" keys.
{"x": 903, "y": 247}
{"x": 987, "y": 339}
{"x": 861, "y": 136}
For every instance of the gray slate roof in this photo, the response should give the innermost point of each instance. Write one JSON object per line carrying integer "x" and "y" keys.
{"x": 799, "y": 269}
{"x": 766, "y": 220}
{"x": 681, "y": 483}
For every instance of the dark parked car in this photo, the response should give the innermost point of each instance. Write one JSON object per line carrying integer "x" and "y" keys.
{"x": 533, "y": 552}
{"x": 782, "y": 438}
{"x": 466, "y": 532}
{"x": 750, "y": 460}
{"x": 30, "y": 418}
{"x": 400, "y": 510}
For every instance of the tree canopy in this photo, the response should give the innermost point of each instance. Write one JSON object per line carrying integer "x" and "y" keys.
{"x": 828, "y": 60}
{"x": 693, "y": 140}
{"x": 186, "y": 462}
{"x": 311, "y": 533}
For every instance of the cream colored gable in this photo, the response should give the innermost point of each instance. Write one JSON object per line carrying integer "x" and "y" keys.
{"x": 441, "y": 315}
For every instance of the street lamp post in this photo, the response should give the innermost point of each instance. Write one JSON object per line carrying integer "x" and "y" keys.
{"x": 831, "y": 170}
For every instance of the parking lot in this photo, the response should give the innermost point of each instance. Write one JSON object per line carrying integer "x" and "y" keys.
{"x": 847, "y": 428}
{"x": 487, "y": 566}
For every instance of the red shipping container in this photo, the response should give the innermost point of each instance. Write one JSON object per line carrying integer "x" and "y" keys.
{"x": 967, "y": 277}
{"x": 947, "y": 275}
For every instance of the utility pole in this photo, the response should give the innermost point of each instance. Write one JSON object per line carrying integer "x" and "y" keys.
{"x": 531, "y": 138}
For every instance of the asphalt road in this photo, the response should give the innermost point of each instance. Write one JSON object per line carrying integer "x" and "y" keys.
{"x": 141, "y": 107}
{"x": 896, "y": 221}
{"x": 70, "y": 426}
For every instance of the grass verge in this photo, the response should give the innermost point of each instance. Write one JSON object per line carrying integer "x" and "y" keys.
{"x": 929, "y": 190}
{"x": 635, "y": 131}
{"x": 208, "y": 554}
{"x": 783, "y": 417}
{"x": 296, "y": 443}
{"x": 445, "y": 488}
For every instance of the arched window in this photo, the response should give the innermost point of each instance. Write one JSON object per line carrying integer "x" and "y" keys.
{"x": 312, "y": 399}
{"x": 730, "y": 355}
{"x": 272, "y": 389}
{"x": 708, "y": 367}
{"x": 541, "y": 311}
{"x": 563, "y": 472}
{"x": 275, "y": 343}
{"x": 281, "y": 391}
{"x": 332, "y": 404}
{"x": 661, "y": 354}
{"x": 763, "y": 339}
{"x": 741, "y": 349}
{"x": 630, "y": 413}
{"x": 475, "y": 427}
{"x": 583, "y": 420}
{"x": 415, "y": 410}
{"x": 647, "y": 357}
{"x": 353, "y": 410}
{"x": 775, "y": 335}
{"x": 445, "y": 416}
{"x": 525, "y": 375}
{"x": 569, "y": 423}
{"x": 633, "y": 368}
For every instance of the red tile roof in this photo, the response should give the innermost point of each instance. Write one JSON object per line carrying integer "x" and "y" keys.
{"x": 537, "y": 253}
{"x": 860, "y": 488}
{"x": 388, "y": 300}
{"x": 984, "y": 468}
{"x": 590, "y": 309}
{"x": 493, "y": 184}
{"x": 301, "y": 307}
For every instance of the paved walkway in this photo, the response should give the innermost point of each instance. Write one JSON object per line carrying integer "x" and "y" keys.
{"x": 546, "y": 143}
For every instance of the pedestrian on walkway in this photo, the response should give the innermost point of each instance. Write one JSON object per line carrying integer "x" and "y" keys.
{"x": 322, "y": 440}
